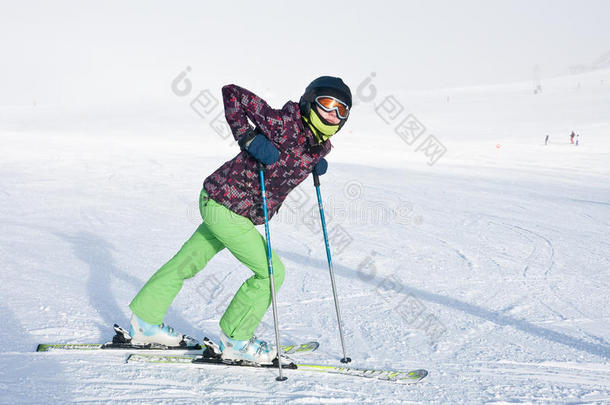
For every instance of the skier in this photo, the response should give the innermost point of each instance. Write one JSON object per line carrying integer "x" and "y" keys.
{"x": 546, "y": 140}
{"x": 572, "y": 137}
{"x": 291, "y": 142}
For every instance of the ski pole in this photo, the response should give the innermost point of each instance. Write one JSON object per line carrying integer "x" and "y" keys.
{"x": 316, "y": 182}
{"x": 261, "y": 170}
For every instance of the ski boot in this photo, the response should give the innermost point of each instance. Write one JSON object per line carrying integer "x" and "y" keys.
{"x": 252, "y": 351}
{"x": 158, "y": 336}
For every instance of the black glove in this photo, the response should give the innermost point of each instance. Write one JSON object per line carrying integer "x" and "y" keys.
{"x": 320, "y": 167}
{"x": 261, "y": 148}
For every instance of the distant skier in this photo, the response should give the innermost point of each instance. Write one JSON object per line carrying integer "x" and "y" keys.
{"x": 577, "y": 136}
{"x": 572, "y": 135}
{"x": 546, "y": 140}
{"x": 291, "y": 142}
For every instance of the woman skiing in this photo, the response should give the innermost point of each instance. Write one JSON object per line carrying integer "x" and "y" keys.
{"x": 291, "y": 142}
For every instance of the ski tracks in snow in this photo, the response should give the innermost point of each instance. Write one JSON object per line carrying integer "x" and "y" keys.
{"x": 538, "y": 381}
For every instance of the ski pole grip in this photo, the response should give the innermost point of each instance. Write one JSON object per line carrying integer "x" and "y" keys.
{"x": 316, "y": 179}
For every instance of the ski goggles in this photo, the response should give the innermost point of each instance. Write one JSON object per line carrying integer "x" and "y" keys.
{"x": 329, "y": 104}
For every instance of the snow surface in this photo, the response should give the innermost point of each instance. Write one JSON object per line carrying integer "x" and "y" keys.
{"x": 490, "y": 268}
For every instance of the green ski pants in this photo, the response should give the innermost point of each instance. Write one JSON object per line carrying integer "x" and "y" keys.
{"x": 221, "y": 228}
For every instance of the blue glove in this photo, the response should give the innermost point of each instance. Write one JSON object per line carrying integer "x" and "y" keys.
{"x": 261, "y": 148}
{"x": 320, "y": 167}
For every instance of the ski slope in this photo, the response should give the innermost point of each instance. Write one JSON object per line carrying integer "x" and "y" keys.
{"x": 490, "y": 268}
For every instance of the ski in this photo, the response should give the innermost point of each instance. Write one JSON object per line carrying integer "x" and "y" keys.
{"x": 121, "y": 340}
{"x": 403, "y": 377}
{"x": 300, "y": 348}
{"x": 49, "y": 347}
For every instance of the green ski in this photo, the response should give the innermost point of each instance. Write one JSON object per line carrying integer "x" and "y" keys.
{"x": 403, "y": 377}
{"x": 122, "y": 341}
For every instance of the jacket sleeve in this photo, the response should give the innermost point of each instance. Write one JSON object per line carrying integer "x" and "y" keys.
{"x": 242, "y": 105}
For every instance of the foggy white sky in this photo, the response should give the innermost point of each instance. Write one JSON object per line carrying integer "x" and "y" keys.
{"x": 72, "y": 52}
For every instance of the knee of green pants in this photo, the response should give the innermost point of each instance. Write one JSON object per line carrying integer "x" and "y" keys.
{"x": 250, "y": 304}
{"x": 278, "y": 272}
{"x": 194, "y": 254}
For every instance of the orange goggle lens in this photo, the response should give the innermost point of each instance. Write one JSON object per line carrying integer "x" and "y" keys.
{"x": 328, "y": 103}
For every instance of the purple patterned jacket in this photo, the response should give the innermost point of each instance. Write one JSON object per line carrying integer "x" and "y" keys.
{"x": 236, "y": 184}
